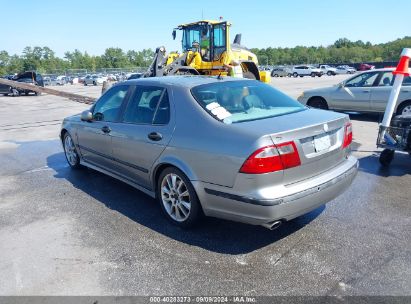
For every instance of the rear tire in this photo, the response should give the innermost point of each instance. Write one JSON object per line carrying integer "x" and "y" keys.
{"x": 404, "y": 108}
{"x": 386, "y": 157}
{"x": 312, "y": 74}
{"x": 318, "y": 103}
{"x": 177, "y": 198}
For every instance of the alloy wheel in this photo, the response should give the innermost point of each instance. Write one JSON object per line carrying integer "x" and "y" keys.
{"x": 406, "y": 110}
{"x": 70, "y": 151}
{"x": 175, "y": 197}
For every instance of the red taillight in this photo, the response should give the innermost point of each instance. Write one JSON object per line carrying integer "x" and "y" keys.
{"x": 347, "y": 135}
{"x": 272, "y": 158}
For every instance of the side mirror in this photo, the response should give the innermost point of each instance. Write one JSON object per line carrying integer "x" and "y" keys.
{"x": 341, "y": 85}
{"x": 174, "y": 34}
{"x": 86, "y": 116}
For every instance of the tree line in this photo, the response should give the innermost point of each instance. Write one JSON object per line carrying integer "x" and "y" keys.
{"x": 44, "y": 59}
{"x": 342, "y": 51}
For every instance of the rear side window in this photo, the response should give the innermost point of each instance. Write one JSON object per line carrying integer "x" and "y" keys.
{"x": 406, "y": 81}
{"x": 149, "y": 105}
{"x": 238, "y": 101}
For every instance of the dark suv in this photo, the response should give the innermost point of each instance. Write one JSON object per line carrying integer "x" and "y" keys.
{"x": 26, "y": 77}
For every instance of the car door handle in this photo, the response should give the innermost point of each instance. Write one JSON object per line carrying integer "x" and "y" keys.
{"x": 155, "y": 136}
{"x": 366, "y": 91}
{"x": 106, "y": 129}
{"x": 405, "y": 91}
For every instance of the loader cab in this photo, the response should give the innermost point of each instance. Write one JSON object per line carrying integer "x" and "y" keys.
{"x": 206, "y": 37}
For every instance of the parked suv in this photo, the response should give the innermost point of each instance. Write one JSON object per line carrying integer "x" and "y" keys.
{"x": 306, "y": 70}
{"x": 26, "y": 77}
{"x": 326, "y": 69}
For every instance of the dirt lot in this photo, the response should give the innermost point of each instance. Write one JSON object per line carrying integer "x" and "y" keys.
{"x": 65, "y": 232}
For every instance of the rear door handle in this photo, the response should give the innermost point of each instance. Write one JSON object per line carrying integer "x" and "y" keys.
{"x": 405, "y": 91}
{"x": 155, "y": 136}
{"x": 106, "y": 129}
{"x": 366, "y": 91}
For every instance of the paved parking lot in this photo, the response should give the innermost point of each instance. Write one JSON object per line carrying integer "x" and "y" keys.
{"x": 65, "y": 232}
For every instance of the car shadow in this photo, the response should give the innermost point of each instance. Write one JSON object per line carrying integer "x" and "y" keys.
{"x": 400, "y": 166}
{"x": 371, "y": 117}
{"x": 211, "y": 234}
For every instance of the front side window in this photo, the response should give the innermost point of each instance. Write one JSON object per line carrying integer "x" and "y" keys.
{"x": 238, "y": 101}
{"x": 386, "y": 79}
{"x": 108, "y": 106}
{"x": 362, "y": 80}
{"x": 149, "y": 105}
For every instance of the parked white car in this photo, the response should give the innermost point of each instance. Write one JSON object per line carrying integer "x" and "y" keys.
{"x": 306, "y": 70}
{"x": 94, "y": 80}
{"x": 326, "y": 69}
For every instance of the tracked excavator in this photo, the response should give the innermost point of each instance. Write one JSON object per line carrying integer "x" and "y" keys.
{"x": 206, "y": 50}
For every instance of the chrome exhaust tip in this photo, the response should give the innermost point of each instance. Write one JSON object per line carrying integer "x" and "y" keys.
{"x": 273, "y": 225}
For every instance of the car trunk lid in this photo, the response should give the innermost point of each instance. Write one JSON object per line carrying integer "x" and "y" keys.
{"x": 317, "y": 134}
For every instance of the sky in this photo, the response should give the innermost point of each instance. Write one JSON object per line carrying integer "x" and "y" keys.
{"x": 93, "y": 26}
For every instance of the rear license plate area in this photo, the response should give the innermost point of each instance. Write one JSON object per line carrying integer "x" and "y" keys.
{"x": 322, "y": 142}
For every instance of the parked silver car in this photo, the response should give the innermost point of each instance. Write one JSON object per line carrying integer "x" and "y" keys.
{"x": 229, "y": 148}
{"x": 281, "y": 72}
{"x": 365, "y": 92}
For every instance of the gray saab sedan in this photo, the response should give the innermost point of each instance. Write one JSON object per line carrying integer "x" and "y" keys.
{"x": 229, "y": 148}
{"x": 365, "y": 92}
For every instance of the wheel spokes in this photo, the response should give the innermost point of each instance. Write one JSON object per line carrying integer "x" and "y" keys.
{"x": 175, "y": 197}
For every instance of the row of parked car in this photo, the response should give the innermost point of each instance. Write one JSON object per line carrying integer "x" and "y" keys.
{"x": 89, "y": 79}
{"x": 308, "y": 70}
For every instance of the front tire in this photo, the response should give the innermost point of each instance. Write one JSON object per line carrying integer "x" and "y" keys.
{"x": 15, "y": 92}
{"x": 72, "y": 157}
{"x": 318, "y": 103}
{"x": 177, "y": 198}
{"x": 295, "y": 74}
{"x": 329, "y": 73}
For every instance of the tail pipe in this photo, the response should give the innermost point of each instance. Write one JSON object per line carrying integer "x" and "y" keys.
{"x": 272, "y": 225}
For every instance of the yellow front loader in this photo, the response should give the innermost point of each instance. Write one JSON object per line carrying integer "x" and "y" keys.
{"x": 206, "y": 50}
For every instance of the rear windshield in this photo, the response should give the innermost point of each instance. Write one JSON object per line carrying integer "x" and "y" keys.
{"x": 238, "y": 101}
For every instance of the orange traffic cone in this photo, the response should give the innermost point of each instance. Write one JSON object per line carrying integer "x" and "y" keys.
{"x": 402, "y": 67}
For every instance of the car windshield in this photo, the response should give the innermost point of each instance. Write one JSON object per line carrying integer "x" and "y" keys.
{"x": 238, "y": 101}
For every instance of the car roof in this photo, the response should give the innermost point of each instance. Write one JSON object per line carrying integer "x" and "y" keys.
{"x": 182, "y": 81}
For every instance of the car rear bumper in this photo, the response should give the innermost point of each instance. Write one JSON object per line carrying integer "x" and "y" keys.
{"x": 306, "y": 196}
